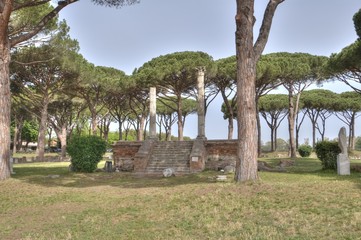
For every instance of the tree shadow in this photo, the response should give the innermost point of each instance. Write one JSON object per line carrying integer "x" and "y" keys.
{"x": 61, "y": 177}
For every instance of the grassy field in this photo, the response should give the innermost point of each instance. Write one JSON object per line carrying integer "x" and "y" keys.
{"x": 304, "y": 203}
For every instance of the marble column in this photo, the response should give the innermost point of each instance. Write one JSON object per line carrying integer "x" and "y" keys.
{"x": 201, "y": 104}
{"x": 152, "y": 113}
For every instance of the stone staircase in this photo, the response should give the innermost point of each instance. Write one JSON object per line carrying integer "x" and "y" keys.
{"x": 174, "y": 154}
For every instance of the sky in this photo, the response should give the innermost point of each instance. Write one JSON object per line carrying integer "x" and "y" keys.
{"x": 128, "y": 37}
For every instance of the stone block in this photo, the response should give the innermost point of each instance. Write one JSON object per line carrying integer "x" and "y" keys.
{"x": 343, "y": 164}
{"x": 168, "y": 172}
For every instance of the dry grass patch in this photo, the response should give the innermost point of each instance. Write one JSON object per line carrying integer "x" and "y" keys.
{"x": 304, "y": 203}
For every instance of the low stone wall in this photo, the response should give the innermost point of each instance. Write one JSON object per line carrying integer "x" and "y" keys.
{"x": 220, "y": 153}
{"x": 124, "y": 154}
{"x": 36, "y": 159}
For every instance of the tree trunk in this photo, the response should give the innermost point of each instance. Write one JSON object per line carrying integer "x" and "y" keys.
{"x": 297, "y": 133}
{"x": 291, "y": 123}
{"x": 40, "y": 150}
{"x": 4, "y": 102}
{"x": 120, "y": 129}
{"x": 19, "y": 143}
{"x": 94, "y": 122}
{"x": 275, "y": 139}
{"x": 230, "y": 128}
{"x": 169, "y": 131}
{"x": 62, "y": 138}
{"x": 273, "y": 147}
{"x": 352, "y": 132}
{"x": 259, "y": 140}
{"x": 62, "y": 134}
{"x": 247, "y": 57}
{"x": 180, "y": 119}
{"x": 16, "y": 133}
{"x": 106, "y": 130}
{"x": 246, "y": 166}
{"x": 230, "y": 117}
{"x": 140, "y": 136}
{"x": 49, "y": 137}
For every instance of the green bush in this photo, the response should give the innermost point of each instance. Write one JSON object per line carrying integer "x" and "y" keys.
{"x": 327, "y": 153}
{"x": 86, "y": 152}
{"x": 305, "y": 150}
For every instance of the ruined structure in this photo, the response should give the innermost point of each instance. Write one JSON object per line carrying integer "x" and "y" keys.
{"x": 151, "y": 157}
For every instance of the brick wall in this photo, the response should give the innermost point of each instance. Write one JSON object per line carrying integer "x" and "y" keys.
{"x": 123, "y": 154}
{"x": 219, "y": 153}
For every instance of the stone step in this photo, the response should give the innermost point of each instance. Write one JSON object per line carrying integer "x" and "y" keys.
{"x": 167, "y": 165}
{"x": 173, "y": 154}
{"x": 160, "y": 170}
{"x": 178, "y": 161}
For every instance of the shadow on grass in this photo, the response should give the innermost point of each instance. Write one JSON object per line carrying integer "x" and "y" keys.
{"x": 310, "y": 167}
{"x": 59, "y": 176}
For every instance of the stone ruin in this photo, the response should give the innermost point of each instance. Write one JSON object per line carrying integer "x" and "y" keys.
{"x": 343, "y": 161}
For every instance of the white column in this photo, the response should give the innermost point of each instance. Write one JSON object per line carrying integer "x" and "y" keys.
{"x": 201, "y": 103}
{"x": 152, "y": 112}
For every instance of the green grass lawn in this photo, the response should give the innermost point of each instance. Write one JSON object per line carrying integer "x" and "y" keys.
{"x": 304, "y": 203}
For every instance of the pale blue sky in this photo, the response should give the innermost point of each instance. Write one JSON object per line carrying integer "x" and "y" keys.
{"x": 128, "y": 37}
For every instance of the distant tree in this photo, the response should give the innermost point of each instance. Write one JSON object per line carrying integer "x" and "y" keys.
{"x": 273, "y": 108}
{"x": 298, "y": 71}
{"x": 29, "y": 132}
{"x": 117, "y": 101}
{"x": 189, "y": 107}
{"x": 357, "y": 22}
{"x": 92, "y": 87}
{"x": 48, "y": 70}
{"x": 175, "y": 76}
{"x": 19, "y": 115}
{"x": 358, "y": 143}
{"x": 138, "y": 100}
{"x": 346, "y": 65}
{"x": 166, "y": 114}
{"x": 224, "y": 80}
{"x": 317, "y": 104}
{"x": 63, "y": 114}
{"x": 42, "y": 72}
{"x": 115, "y": 3}
{"x": 9, "y": 38}
{"x": 346, "y": 107}
{"x": 266, "y": 80}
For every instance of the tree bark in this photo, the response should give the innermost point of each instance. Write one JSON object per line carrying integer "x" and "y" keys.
{"x": 16, "y": 133}
{"x": 273, "y": 147}
{"x": 247, "y": 57}
{"x": 4, "y": 101}
{"x": 180, "y": 119}
{"x": 62, "y": 138}
{"x": 352, "y": 132}
{"x": 40, "y": 150}
{"x": 291, "y": 123}
{"x": 94, "y": 122}
{"x": 259, "y": 140}
{"x": 246, "y": 166}
{"x": 62, "y": 133}
{"x": 231, "y": 115}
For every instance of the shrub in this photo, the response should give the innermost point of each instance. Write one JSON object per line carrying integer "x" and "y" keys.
{"x": 305, "y": 150}
{"x": 86, "y": 152}
{"x": 327, "y": 153}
